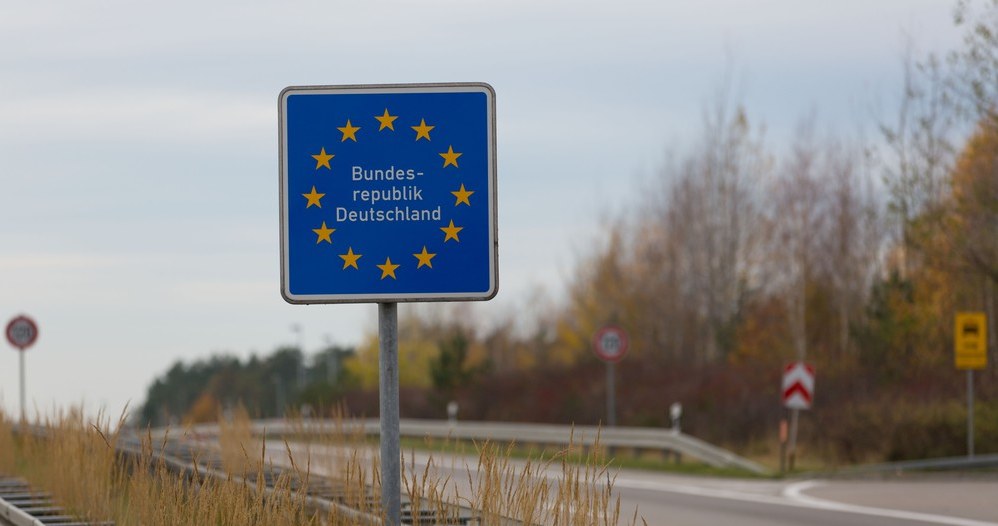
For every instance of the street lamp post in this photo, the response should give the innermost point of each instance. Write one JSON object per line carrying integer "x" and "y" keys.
{"x": 297, "y": 329}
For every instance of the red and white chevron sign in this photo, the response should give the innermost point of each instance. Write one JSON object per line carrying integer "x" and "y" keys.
{"x": 798, "y": 385}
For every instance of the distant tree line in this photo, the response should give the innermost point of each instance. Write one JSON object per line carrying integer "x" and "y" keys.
{"x": 267, "y": 386}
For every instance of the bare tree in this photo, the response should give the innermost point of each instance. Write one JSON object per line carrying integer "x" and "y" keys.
{"x": 920, "y": 153}
{"x": 974, "y": 82}
{"x": 854, "y": 234}
{"x": 712, "y": 221}
{"x": 798, "y": 202}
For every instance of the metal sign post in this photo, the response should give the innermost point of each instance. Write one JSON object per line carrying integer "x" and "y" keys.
{"x": 611, "y": 395}
{"x": 22, "y": 332}
{"x": 388, "y": 392}
{"x": 20, "y": 363}
{"x": 970, "y": 412}
{"x": 610, "y": 344}
{"x": 792, "y": 447}
{"x": 388, "y": 194}
{"x": 798, "y": 392}
{"x": 970, "y": 352}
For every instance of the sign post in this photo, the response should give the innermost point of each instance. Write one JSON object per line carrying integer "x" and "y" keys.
{"x": 798, "y": 392}
{"x": 22, "y": 332}
{"x": 388, "y": 194}
{"x": 970, "y": 353}
{"x": 610, "y": 344}
{"x": 388, "y": 403}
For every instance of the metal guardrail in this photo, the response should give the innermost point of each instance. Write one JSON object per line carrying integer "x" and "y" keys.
{"x": 587, "y": 436}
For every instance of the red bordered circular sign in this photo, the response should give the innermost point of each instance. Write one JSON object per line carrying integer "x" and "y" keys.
{"x": 22, "y": 332}
{"x": 610, "y": 343}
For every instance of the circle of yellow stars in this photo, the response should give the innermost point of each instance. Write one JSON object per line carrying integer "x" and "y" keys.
{"x": 424, "y": 258}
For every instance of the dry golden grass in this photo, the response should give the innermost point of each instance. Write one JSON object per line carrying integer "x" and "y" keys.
{"x": 235, "y": 441}
{"x": 554, "y": 491}
{"x": 8, "y": 459}
{"x": 76, "y": 461}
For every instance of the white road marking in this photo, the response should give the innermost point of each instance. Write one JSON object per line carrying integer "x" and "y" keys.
{"x": 702, "y": 491}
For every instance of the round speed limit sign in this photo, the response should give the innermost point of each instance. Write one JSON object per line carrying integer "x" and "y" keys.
{"x": 610, "y": 343}
{"x": 22, "y": 332}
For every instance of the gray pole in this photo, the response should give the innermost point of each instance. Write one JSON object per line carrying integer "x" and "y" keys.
{"x": 611, "y": 396}
{"x": 21, "y": 361}
{"x": 279, "y": 400}
{"x": 970, "y": 412}
{"x": 388, "y": 387}
{"x": 332, "y": 359}
{"x": 301, "y": 363}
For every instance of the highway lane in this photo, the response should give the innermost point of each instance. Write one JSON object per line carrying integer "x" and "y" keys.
{"x": 971, "y": 496}
{"x": 681, "y": 509}
{"x": 678, "y": 500}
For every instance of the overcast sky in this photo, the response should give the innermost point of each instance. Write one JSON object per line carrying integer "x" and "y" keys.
{"x": 138, "y": 146}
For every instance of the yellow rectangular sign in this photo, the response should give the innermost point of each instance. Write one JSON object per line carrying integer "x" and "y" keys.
{"x": 971, "y": 340}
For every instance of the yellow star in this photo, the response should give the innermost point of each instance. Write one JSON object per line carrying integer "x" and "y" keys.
{"x": 388, "y": 269}
{"x": 323, "y": 232}
{"x": 424, "y": 258}
{"x": 422, "y": 130}
{"x": 350, "y": 259}
{"x": 322, "y": 159}
{"x": 462, "y": 196}
{"x": 450, "y": 157}
{"x": 451, "y": 231}
{"x": 313, "y": 198}
{"x": 349, "y": 132}
{"x": 387, "y": 121}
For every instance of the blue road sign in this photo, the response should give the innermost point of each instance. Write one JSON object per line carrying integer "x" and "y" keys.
{"x": 388, "y": 193}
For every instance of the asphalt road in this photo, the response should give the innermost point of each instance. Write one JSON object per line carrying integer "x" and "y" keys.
{"x": 679, "y": 501}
